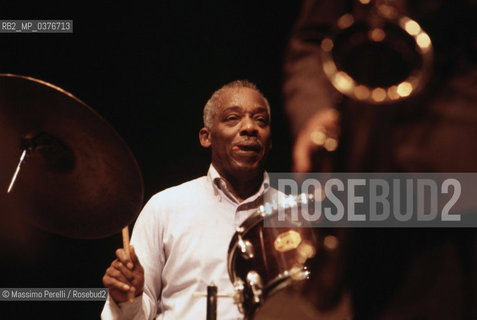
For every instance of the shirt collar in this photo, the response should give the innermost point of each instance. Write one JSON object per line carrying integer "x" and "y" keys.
{"x": 219, "y": 185}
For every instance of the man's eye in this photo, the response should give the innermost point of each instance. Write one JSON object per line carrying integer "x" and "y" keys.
{"x": 231, "y": 118}
{"x": 262, "y": 120}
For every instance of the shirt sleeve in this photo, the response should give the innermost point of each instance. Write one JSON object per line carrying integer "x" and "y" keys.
{"x": 147, "y": 239}
{"x": 124, "y": 310}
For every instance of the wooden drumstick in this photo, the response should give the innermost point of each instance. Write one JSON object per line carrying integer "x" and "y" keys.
{"x": 125, "y": 232}
{"x": 126, "y": 241}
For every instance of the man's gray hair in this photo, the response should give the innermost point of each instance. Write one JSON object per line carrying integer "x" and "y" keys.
{"x": 211, "y": 105}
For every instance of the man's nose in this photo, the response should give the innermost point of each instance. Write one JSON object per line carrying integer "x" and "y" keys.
{"x": 249, "y": 127}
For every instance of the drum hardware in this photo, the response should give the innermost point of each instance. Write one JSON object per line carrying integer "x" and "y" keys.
{"x": 300, "y": 273}
{"x": 288, "y": 202}
{"x": 281, "y": 254}
{"x": 219, "y": 295}
{"x": 60, "y": 157}
{"x": 372, "y": 27}
{"x": 267, "y": 209}
{"x": 25, "y": 153}
{"x": 211, "y": 302}
{"x": 246, "y": 248}
{"x": 254, "y": 281}
{"x": 287, "y": 241}
{"x": 296, "y": 273}
{"x": 257, "y": 295}
{"x": 212, "y": 296}
{"x": 239, "y": 287}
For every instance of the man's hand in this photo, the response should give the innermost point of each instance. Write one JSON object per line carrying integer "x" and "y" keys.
{"x": 319, "y": 132}
{"x": 124, "y": 276}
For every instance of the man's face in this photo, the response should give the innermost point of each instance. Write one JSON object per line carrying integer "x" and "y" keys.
{"x": 240, "y": 136}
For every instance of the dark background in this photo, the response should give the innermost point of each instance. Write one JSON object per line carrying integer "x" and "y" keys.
{"x": 148, "y": 70}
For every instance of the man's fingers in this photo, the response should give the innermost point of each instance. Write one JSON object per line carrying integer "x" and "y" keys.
{"x": 134, "y": 257}
{"x": 128, "y": 262}
{"x": 113, "y": 283}
{"x": 120, "y": 268}
{"x": 133, "y": 290}
{"x": 121, "y": 254}
{"x": 125, "y": 276}
{"x": 115, "y": 273}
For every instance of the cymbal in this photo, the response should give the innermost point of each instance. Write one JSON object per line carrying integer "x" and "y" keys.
{"x": 80, "y": 179}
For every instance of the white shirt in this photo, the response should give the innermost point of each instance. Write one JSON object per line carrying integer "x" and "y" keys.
{"x": 181, "y": 239}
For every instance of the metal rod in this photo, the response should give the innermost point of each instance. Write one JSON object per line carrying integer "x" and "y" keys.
{"x": 22, "y": 158}
{"x": 212, "y": 302}
{"x": 219, "y": 295}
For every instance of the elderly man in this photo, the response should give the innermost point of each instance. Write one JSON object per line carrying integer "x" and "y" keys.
{"x": 181, "y": 237}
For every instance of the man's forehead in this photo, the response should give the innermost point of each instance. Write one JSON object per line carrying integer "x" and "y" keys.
{"x": 256, "y": 109}
{"x": 239, "y": 97}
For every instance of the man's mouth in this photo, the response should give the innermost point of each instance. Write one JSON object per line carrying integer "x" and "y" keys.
{"x": 247, "y": 147}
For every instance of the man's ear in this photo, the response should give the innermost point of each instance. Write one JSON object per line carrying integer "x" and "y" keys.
{"x": 204, "y": 137}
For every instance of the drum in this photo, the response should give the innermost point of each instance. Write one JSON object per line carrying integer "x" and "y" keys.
{"x": 270, "y": 263}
